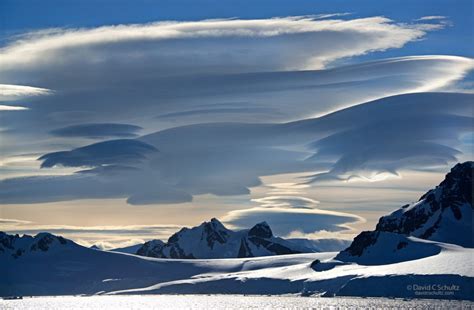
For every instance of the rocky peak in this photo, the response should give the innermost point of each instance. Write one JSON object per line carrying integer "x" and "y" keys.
{"x": 451, "y": 198}
{"x": 19, "y": 245}
{"x": 214, "y": 231}
{"x": 213, "y": 240}
{"x": 261, "y": 230}
{"x": 443, "y": 214}
{"x": 151, "y": 248}
{"x": 43, "y": 241}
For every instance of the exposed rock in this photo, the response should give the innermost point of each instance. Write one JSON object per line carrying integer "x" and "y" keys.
{"x": 443, "y": 214}
{"x": 213, "y": 240}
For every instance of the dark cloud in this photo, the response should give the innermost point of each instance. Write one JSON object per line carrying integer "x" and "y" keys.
{"x": 416, "y": 131}
{"x": 103, "y": 153}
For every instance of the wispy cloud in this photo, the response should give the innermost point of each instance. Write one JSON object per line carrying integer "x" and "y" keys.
{"x": 342, "y": 38}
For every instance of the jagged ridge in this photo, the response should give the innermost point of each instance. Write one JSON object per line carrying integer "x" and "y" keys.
{"x": 213, "y": 240}
{"x": 442, "y": 214}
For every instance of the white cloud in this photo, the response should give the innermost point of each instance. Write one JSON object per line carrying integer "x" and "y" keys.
{"x": 313, "y": 42}
{"x": 231, "y": 109}
{"x": 16, "y": 92}
{"x": 11, "y": 92}
{"x": 431, "y": 17}
{"x": 284, "y": 221}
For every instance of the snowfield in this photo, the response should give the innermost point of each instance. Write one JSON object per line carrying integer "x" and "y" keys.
{"x": 72, "y": 269}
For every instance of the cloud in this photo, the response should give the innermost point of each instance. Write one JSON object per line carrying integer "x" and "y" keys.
{"x": 12, "y": 221}
{"x": 217, "y": 44}
{"x": 415, "y": 131}
{"x": 16, "y": 92}
{"x": 284, "y": 221}
{"x": 286, "y": 201}
{"x": 409, "y": 139}
{"x": 431, "y": 17}
{"x": 222, "y": 103}
{"x": 111, "y": 152}
{"x": 188, "y": 99}
{"x": 11, "y": 92}
{"x": 97, "y": 131}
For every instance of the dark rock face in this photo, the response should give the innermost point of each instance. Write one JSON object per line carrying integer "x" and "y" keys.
{"x": 261, "y": 230}
{"x": 6, "y": 241}
{"x": 440, "y": 213}
{"x": 361, "y": 242}
{"x": 244, "y": 250}
{"x": 450, "y": 195}
{"x": 151, "y": 248}
{"x": 215, "y": 232}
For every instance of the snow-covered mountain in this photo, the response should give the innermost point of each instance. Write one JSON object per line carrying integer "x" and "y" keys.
{"x": 150, "y": 248}
{"x": 131, "y": 249}
{"x": 51, "y": 265}
{"x": 443, "y": 214}
{"x": 16, "y": 246}
{"x": 213, "y": 240}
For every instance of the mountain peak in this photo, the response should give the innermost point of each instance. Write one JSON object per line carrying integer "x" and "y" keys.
{"x": 151, "y": 248}
{"x": 442, "y": 214}
{"x": 18, "y": 246}
{"x": 213, "y": 240}
{"x": 261, "y": 230}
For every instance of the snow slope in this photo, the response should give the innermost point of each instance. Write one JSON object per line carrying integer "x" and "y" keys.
{"x": 68, "y": 268}
{"x": 132, "y": 249}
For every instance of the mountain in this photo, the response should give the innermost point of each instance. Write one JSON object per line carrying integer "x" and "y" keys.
{"x": 16, "y": 247}
{"x": 52, "y": 265}
{"x": 150, "y": 248}
{"x": 213, "y": 240}
{"x": 443, "y": 214}
{"x": 132, "y": 249}
{"x": 322, "y": 245}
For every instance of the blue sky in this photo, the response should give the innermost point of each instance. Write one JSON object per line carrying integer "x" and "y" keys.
{"x": 327, "y": 114}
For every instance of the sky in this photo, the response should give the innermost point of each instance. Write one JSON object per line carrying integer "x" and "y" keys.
{"x": 122, "y": 121}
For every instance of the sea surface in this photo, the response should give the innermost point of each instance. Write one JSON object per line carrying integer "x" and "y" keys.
{"x": 214, "y": 302}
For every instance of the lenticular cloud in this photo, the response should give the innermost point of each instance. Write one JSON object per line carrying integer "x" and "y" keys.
{"x": 221, "y": 103}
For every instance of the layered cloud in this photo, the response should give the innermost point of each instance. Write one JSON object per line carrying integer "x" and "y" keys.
{"x": 286, "y": 221}
{"x": 416, "y": 131}
{"x": 168, "y": 74}
{"x": 213, "y": 45}
{"x": 98, "y": 131}
{"x": 222, "y": 103}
